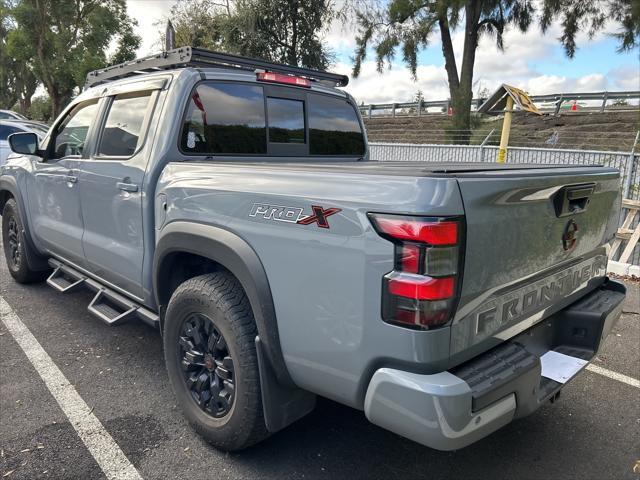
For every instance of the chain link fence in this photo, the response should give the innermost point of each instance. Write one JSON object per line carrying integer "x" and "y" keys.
{"x": 627, "y": 162}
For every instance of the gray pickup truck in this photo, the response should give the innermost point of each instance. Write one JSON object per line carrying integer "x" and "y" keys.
{"x": 231, "y": 204}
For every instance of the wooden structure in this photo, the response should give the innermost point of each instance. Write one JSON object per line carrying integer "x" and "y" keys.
{"x": 625, "y": 232}
{"x": 504, "y": 100}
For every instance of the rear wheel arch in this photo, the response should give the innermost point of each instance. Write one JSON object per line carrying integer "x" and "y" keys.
{"x": 219, "y": 249}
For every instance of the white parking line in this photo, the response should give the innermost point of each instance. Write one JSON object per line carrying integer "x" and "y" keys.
{"x": 100, "y": 444}
{"x": 614, "y": 375}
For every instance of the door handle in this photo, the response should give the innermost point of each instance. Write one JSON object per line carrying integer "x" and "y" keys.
{"x": 127, "y": 187}
{"x": 71, "y": 178}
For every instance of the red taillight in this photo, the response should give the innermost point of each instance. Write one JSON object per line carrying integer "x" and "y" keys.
{"x": 433, "y": 233}
{"x": 422, "y": 288}
{"x": 410, "y": 258}
{"x": 280, "y": 78}
{"x": 420, "y": 292}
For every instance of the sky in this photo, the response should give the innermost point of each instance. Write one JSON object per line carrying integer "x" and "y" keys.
{"x": 531, "y": 61}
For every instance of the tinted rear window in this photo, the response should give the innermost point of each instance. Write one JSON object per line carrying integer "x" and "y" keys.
{"x": 286, "y": 120}
{"x": 225, "y": 118}
{"x": 334, "y": 128}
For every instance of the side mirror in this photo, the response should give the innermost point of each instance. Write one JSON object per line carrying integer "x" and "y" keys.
{"x": 25, "y": 143}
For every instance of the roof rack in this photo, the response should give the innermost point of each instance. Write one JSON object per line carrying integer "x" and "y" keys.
{"x": 199, "y": 57}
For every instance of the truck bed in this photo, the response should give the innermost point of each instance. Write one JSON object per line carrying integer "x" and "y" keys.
{"x": 513, "y": 246}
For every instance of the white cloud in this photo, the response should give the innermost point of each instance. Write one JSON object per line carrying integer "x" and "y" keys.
{"x": 340, "y": 37}
{"x": 148, "y": 12}
{"x": 556, "y": 84}
{"x": 395, "y": 85}
{"x": 518, "y": 65}
{"x": 626, "y": 78}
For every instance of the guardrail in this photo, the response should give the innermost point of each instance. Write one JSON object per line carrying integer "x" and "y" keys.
{"x": 556, "y": 99}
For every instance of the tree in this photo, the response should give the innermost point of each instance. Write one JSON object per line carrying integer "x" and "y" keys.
{"x": 17, "y": 81}
{"x": 417, "y": 97}
{"x": 25, "y": 85}
{"x": 64, "y": 40}
{"x": 592, "y": 16}
{"x": 197, "y": 23}
{"x": 40, "y": 109}
{"x": 409, "y": 25}
{"x": 8, "y": 91}
{"x": 286, "y": 31}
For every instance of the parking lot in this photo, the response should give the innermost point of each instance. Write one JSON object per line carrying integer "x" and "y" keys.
{"x": 593, "y": 431}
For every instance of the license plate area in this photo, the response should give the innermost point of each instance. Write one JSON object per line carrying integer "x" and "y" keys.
{"x": 515, "y": 367}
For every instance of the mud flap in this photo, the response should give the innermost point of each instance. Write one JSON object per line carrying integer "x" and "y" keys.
{"x": 281, "y": 405}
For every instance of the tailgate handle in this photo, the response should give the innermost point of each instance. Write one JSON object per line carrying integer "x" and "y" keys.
{"x": 574, "y": 199}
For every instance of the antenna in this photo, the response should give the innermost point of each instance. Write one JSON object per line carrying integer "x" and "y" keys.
{"x": 169, "y": 37}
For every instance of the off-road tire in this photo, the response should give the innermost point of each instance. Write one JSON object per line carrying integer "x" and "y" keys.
{"x": 219, "y": 297}
{"x": 16, "y": 247}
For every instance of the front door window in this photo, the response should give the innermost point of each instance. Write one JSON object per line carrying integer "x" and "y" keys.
{"x": 71, "y": 134}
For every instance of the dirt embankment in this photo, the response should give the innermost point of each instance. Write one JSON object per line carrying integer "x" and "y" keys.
{"x": 611, "y": 130}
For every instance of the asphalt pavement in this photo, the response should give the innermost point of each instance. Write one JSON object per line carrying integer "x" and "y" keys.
{"x": 592, "y": 432}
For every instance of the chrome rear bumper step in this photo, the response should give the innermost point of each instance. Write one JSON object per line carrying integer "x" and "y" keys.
{"x": 109, "y": 306}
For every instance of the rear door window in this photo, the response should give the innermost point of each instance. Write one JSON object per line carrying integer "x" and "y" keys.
{"x": 122, "y": 134}
{"x": 226, "y": 118}
{"x": 286, "y": 120}
{"x": 334, "y": 128}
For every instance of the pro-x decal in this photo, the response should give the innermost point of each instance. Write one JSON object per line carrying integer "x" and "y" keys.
{"x": 280, "y": 213}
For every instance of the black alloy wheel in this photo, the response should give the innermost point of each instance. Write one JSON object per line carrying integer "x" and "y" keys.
{"x": 208, "y": 369}
{"x": 14, "y": 244}
{"x": 209, "y": 338}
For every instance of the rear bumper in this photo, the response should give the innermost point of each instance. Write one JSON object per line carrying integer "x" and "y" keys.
{"x": 450, "y": 410}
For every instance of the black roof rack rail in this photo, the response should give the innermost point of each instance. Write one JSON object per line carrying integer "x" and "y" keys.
{"x": 199, "y": 57}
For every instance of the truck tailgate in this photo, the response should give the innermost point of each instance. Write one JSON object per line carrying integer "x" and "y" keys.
{"x": 534, "y": 243}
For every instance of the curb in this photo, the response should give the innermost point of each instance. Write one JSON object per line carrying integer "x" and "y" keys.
{"x": 623, "y": 269}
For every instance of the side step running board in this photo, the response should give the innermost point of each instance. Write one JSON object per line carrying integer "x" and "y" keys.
{"x": 65, "y": 280}
{"x": 108, "y": 305}
{"x": 111, "y": 308}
